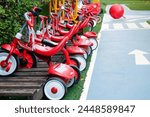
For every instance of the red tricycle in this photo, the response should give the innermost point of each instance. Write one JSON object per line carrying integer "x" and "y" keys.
{"x": 60, "y": 74}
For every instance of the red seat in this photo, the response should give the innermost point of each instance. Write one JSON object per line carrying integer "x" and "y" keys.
{"x": 45, "y": 51}
{"x": 82, "y": 43}
{"x": 75, "y": 50}
{"x": 69, "y": 25}
{"x": 62, "y": 70}
{"x": 90, "y": 34}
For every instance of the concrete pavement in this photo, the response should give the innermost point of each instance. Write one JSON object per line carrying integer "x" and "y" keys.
{"x": 119, "y": 73}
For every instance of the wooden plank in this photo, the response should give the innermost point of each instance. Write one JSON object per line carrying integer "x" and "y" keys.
{"x": 42, "y": 62}
{"x": 16, "y": 79}
{"x": 26, "y": 82}
{"x": 37, "y": 95}
{"x": 33, "y": 69}
{"x": 42, "y": 66}
{"x": 23, "y": 77}
{"x": 20, "y": 85}
{"x": 57, "y": 59}
{"x": 17, "y": 92}
{"x": 31, "y": 73}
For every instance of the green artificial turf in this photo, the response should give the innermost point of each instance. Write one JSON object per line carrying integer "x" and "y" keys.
{"x": 148, "y": 21}
{"x": 132, "y": 4}
{"x": 74, "y": 92}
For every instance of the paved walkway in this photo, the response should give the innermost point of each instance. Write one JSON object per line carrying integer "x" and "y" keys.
{"x": 122, "y": 66}
{"x": 133, "y": 20}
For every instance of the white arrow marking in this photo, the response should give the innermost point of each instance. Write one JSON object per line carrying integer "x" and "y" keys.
{"x": 140, "y": 59}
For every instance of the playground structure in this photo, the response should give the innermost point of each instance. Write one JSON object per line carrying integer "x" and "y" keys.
{"x": 54, "y": 6}
{"x": 91, "y": 1}
{"x": 73, "y": 6}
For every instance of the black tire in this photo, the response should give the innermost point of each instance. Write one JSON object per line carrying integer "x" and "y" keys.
{"x": 102, "y": 11}
{"x": 78, "y": 72}
{"x": 74, "y": 59}
{"x": 77, "y": 62}
{"x": 99, "y": 19}
{"x": 89, "y": 51}
{"x": 91, "y": 27}
{"x": 95, "y": 42}
{"x": 81, "y": 60}
{"x": 70, "y": 82}
{"x": 85, "y": 55}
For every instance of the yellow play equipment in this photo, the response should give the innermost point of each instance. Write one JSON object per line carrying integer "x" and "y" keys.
{"x": 95, "y": 1}
{"x": 54, "y": 6}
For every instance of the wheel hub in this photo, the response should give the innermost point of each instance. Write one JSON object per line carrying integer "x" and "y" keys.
{"x": 8, "y": 66}
{"x": 3, "y": 64}
{"x": 23, "y": 62}
{"x": 54, "y": 90}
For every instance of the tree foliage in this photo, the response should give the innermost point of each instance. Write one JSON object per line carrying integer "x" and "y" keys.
{"x": 11, "y": 16}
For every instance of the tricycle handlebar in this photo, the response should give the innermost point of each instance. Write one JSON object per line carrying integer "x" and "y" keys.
{"x": 26, "y": 16}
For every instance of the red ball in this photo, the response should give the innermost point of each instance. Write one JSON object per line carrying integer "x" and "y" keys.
{"x": 116, "y": 11}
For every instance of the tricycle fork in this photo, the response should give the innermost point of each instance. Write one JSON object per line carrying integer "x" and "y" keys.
{"x": 10, "y": 53}
{"x": 68, "y": 61}
{"x": 5, "y": 62}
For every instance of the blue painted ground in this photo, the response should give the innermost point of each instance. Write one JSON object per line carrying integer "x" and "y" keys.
{"x": 115, "y": 75}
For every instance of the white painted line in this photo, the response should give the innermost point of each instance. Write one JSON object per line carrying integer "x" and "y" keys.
{"x": 127, "y": 29}
{"x": 137, "y": 18}
{"x": 145, "y": 25}
{"x": 89, "y": 73}
{"x": 118, "y": 26}
{"x": 140, "y": 59}
{"x": 132, "y": 26}
{"x": 105, "y": 26}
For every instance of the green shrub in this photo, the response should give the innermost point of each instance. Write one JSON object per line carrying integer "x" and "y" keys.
{"x": 11, "y": 17}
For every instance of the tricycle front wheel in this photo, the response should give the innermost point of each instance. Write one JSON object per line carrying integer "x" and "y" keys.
{"x": 7, "y": 67}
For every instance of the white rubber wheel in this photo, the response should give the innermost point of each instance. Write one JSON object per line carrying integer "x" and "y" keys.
{"x": 90, "y": 28}
{"x": 55, "y": 89}
{"x": 99, "y": 19}
{"x": 81, "y": 61}
{"x": 95, "y": 43}
{"x": 77, "y": 74}
{"x": 91, "y": 23}
{"x": 89, "y": 50}
{"x": 85, "y": 55}
{"x": 70, "y": 82}
{"x": 12, "y": 60}
{"x": 94, "y": 23}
